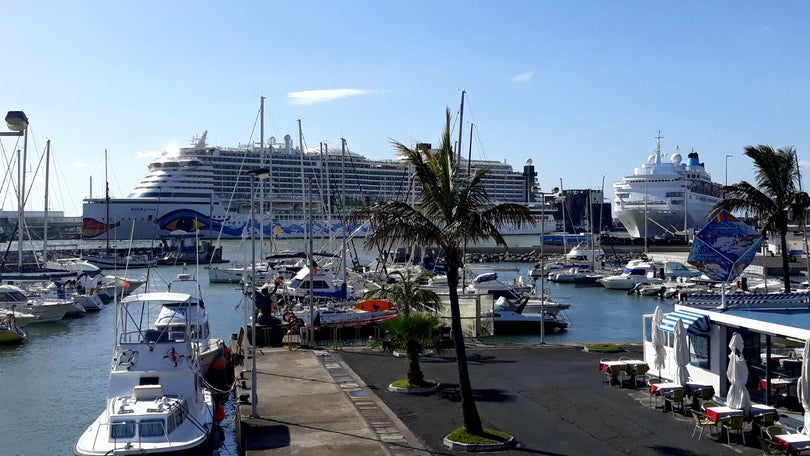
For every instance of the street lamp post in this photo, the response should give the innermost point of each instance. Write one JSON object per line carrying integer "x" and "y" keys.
{"x": 256, "y": 174}
{"x": 17, "y": 122}
{"x": 537, "y": 191}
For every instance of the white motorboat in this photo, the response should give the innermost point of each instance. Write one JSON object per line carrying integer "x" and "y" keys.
{"x": 239, "y": 274}
{"x": 635, "y": 272}
{"x": 508, "y": 319}
{"x": 45, "y": 310}
{"x": 665, "y": 198}
{"x": 156, "y": 402}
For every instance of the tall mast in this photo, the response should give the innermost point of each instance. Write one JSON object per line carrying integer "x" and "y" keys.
{"x": 303, "y": 181}
{"x": 469, "y": 151}
{"x": 107, "y": 199}
{"x": 460, "y": 125}
{"x": 45, "y": 224}
{"x": 261, "y": 181}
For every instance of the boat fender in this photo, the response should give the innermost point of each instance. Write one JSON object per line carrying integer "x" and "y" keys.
{"x": 128, "y": 358}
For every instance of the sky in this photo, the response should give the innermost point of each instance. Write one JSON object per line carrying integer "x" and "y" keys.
{"x": 580, "y": 87}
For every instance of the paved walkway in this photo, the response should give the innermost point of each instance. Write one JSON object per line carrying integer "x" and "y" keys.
{"x": 551, "y": 398}
{"x": 309, "y": 403}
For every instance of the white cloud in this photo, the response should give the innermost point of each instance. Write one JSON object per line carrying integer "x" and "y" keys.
{"x": 523, "y": 77}
{"x": 308, "y": 97}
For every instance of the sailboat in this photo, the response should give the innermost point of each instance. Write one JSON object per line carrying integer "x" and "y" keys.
{"x": 113, "y": 258}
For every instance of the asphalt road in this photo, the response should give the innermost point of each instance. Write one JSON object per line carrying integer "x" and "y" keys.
{"x": 550, "y": 398}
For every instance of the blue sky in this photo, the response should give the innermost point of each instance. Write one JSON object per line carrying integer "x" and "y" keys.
{"x": 580, "y": 87}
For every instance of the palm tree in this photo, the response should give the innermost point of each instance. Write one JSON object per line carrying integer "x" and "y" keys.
{"x": 406, "y": 293}
{"x": 451, "y": 211}
{"x": 413, "y": 333}
{"x": 776, "y": 201}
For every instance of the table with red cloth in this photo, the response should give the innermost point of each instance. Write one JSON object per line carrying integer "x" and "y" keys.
{"x": 664, "y": 389}
{"x": 792, "y": 443}
{"x": 629, "y": 366}
{"x": 777, "y": 384}
{"x": 722, "y": 413}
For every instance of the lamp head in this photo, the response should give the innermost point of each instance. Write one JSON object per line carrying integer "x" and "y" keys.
{"x": 555, "y": 190}
{"x": 16, "y": 120}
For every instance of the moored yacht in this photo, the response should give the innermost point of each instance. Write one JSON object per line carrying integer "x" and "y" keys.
{"x": 156, "y": 402}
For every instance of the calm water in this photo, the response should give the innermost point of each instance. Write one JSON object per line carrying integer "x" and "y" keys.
{"x": 54, "y": 385}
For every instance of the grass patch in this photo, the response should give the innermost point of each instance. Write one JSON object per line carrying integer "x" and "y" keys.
{"x": 490, "y": 437}
{"x": 603, "y": 348}
{"x": 404, "y": 383}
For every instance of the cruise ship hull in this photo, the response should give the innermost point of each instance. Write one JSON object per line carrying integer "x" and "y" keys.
{"x": 138, "y": 218}
{"x": 662, "y": 222}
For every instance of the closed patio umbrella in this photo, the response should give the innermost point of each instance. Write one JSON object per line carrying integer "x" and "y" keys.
{"x": 657, "y": 337}
{"x": 681, "y": 353}
{"x": 737, "y": 373}
{"x": 803, "y": 387}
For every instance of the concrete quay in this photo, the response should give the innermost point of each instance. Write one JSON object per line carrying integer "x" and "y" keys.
{"x": 311, "y": 404}
{"x": 551, "y": 398}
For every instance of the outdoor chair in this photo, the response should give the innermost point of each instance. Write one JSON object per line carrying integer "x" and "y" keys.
{"x": 765, "y": 422}
{"x": 770, "y": 447}
{"x": 735, "y": 423}
{"x": 707, "y": 404}
{"x": 771, "y": 431}
{"x": 641, "y": 374}
{"x": 700, "y": 422}
{"x": 676, "y": 397}
{"x": 653, "y": 381}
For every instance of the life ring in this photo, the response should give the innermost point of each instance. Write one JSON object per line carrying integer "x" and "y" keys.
{"x": 172, "y": 358}
{"x": 287, "y": 316}
{"x": 128, "y": 358}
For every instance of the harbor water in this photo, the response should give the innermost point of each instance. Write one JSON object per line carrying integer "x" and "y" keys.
{"x": 54, "y": 384}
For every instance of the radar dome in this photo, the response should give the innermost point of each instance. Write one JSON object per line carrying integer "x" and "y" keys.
{"x": 676, "y": 158}
{"x": 651, "y": 159}
{"x": 529, "y": 162}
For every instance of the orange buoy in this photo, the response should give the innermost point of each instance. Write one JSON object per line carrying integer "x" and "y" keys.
{"x": 219, "y": 363}
{"x": 219, "y": 413}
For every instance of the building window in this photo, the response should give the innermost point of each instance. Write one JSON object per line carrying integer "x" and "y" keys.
{"x": 699, "y": 351}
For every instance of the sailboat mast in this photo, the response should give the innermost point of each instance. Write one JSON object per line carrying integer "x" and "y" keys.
{"x": 343, "y": 204}
{"x": 45, "y": 223}
{"x": 261, "y": 181}
{"x": 107, "y": 200}
{"x": 460, "y": 125}
{"x": 303, "y": 180}
{"x": 469, "y": 151}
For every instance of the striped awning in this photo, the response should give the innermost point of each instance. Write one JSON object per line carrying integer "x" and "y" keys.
{"x": 694, "y": 323}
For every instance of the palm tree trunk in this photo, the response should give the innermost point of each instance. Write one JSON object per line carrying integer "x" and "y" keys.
{"x": 785, "y": 263}
{"x": 472, "y": 421}
{"x": 415, "y": 375}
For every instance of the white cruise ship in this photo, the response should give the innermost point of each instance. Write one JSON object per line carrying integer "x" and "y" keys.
{"x": 664, "y": 198}
{"x": 208, "y": 189}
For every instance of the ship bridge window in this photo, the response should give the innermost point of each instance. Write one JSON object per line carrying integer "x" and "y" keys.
{"x": 122, "y": 430}
{"x": 152, "y": 428}
{"x": 622, "y": 195}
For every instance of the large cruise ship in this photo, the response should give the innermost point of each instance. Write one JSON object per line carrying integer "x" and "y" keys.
{"x": 664, "y": 198}
{"x": 208, "y": 189}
